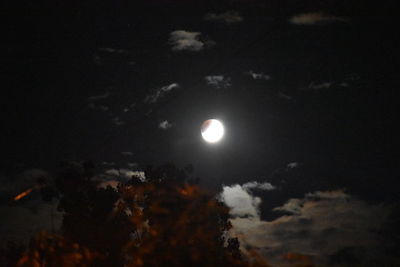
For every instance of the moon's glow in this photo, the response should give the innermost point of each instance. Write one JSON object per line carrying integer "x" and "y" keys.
{"x": 212, "y": 130}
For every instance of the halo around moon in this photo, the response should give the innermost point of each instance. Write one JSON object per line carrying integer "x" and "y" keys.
{"x": 212, "y": 130}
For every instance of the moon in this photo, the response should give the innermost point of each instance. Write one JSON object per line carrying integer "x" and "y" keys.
{"x": 212, "y": 130}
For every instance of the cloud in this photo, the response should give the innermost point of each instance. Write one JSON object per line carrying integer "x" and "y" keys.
{"x": 165, "y": 125}
{"x": 98, "y": 97}
{"x": 257, "y": 185}
{"x": 117, "y": 121}
{"x": 292, "y": 165}
{"x": 285, "y": 96}
{"x": 314, "y": 18}
{"x": 112, "y": 50}
{"x": 128, "y": 108}
{"x": 319, "y": 86}
{"x": 240, "y": 199}
{"x": 107, "y": 163}
{"x": 218, "y": 81}
{"x": 127, "y": 153}
{"x": 161, "y": 92}
{"x": 133, "y": 164}
{"x": 122, "y": 173}
{"x": 188, "y": 41}
{"x": 258, "y": 76}
{"x": 319, "y": 225}
{"x": 228, "y": 17}
{"x": 112, "y": 183}
{"x": 92, "y": 105}
{"x": 112, "y": 172}
{"x": 293, "y": 206}
{"x": 185, "y": 40}
{"x": 104, "y": 108}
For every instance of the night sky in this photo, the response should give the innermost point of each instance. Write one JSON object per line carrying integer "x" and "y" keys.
{"x": 306, "y": 91}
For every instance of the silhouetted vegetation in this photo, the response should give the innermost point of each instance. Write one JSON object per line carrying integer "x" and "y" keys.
{"x": 166, "y": 220}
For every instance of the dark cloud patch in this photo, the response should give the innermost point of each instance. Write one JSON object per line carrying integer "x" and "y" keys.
{"x": 314, "y": 18}
{"x": 228, "y": 17}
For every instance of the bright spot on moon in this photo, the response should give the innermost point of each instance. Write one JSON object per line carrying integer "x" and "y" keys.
{"x": 212, "y": 130}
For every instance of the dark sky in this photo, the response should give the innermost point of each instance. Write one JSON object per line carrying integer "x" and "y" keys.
{"x": 79, "y": 76}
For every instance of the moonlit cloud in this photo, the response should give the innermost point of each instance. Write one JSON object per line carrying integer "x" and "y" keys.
{"x": 184, "y": 40}
{"x": 161, "y": 92}
{"x": 314, "y": 18}
{"x": 257, "y": 185}
{"x": 292, "y": 165}
{"x": 240, "y": 199}
{"x": 112, "y": 172}
{"x": 122, "y": 173}
{"x": 165, "y": 125}
{"x": 319, "y": 225}
{"x": 228, "y": 17}
{"x": 127, "y": 153}
{"x": 218, "y": 81}
{"x": 112, "y": 183}
{"x": 259, "y": 76}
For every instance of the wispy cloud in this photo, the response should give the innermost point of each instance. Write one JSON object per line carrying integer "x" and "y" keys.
{"x": 218, "y": 81}
{"x": 318, "y": 86}
{"x": 117, "y": 121}
{"x": 257, "y": 185}
{"x": 292, "y": 165}
{"x": 128, "y": 108}
{"x": 112, "y": 50}
{"x": 98, "y": 97}
{"x": 161, "y": 92}
{"x": 285, "y": 96}
{"x": 228, "y": 17}
{"x": 314, "y": 18}
{"x": 107, "y": 163}
{"x": 123, "y": 173}
{"x": 258, "y": 76}
{"x": 165, "y": 125}
{"x": 181, "y": 40}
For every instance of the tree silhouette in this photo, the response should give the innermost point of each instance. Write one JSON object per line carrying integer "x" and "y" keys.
{"x": 165, "y": 220}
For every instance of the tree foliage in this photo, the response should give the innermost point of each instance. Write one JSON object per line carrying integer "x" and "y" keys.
{"x": 166, "y": 220}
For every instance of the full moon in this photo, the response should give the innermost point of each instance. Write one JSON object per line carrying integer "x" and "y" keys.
{"x": 212, "y": 130}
